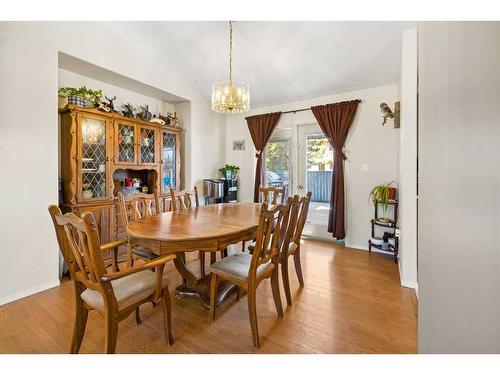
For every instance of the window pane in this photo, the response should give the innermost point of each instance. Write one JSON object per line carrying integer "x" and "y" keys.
{"x": 319, "y": 153}
{"x": 319, "y": 177}
{"x": 277, "y": 163}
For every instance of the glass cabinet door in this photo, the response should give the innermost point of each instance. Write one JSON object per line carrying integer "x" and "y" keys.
{"x": 126, "y": 144}
{"x": 93, "y": 160}
{"x": 169, "y": 161}
{"x": 147, "y": 145}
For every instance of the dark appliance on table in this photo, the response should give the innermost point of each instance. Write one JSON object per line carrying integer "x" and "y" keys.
{"x": 220, "y": 190}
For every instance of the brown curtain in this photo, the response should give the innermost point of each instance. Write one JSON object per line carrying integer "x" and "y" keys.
{"x": 261, "y": 127}
{"x": 335, "y": 121}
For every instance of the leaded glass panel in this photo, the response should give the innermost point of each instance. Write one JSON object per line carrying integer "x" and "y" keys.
{"x": 147, "y": 145}
{"x": 93, "y": 158}
{"x": 126, "y": 150}
{"x": 168, "y": 154}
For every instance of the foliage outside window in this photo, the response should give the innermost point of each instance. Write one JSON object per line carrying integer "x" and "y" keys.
{"x": 319, "y": 154}
{"x": 278, "y": 155}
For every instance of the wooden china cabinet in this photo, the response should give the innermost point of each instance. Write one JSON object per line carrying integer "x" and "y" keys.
{"x": 100, "y": 151}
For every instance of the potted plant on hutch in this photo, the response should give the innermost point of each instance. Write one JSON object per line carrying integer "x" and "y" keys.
{"x": 81, "y": 97}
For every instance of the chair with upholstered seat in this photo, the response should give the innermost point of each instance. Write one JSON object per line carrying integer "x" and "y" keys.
{"x": 269, "y": 195}
{"x": 299, "y": 209}
{"x": 114, "y": 295}
{"x": 133, "y": 208}
{"x": 248, "y": 270}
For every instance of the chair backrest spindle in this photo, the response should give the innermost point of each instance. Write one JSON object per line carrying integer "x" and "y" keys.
{"x": 302, "y": 217}
{"x": 80, "y": 246}
{"x": 271, "y": 195}
{"x": 299, "y": 207}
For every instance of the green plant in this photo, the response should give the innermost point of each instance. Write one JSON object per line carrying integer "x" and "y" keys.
{"x": 93, "y": 96}
{"x": 229, "y": 168}
{"x": 380, "y": 193}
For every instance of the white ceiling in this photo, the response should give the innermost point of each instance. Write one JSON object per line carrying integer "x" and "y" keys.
{"x": 75, "y": 65}
{"x": 283, "y": 61}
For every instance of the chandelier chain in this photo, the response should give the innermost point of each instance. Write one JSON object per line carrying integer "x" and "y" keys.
{"x": 230, "y": 52}
{"x": 229, "y": 96}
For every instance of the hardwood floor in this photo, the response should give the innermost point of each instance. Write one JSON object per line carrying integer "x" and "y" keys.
{"x": 351, "y": 303}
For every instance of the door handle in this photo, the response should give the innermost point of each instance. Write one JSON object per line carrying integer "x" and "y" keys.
{"x": 300, "y": 187}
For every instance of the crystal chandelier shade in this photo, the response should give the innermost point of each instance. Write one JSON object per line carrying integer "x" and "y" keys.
{"x": 229, "y": 96}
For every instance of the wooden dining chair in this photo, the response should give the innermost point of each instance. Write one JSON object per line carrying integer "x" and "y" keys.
{"x": 248, "y": 270}
{"x": 184, "y": 199}
{"x": 114, "y": 295}
{"x": 133, "y": 208}
{"x": 270, "y": 195}
{"x": 187, "y": 200}
{"x": 299, "y": 208}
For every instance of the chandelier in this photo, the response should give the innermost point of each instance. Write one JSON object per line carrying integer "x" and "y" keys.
{"x": 229, "y": 96}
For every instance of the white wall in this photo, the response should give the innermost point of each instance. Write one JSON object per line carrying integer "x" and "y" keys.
{"x": 68, "y": 78}
{"x": 408, "y": 160}
{"x": 28, "y": 120}
{"x": 368, "y": 143}
{"x": 459, "y": 187}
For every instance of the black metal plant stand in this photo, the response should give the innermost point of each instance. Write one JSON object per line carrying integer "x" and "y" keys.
{"x": 391, "y": 236}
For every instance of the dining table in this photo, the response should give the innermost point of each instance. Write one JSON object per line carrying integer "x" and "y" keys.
{"x": 209, "y": 228}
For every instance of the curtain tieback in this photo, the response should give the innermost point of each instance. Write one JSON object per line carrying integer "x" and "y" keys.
{"x": 341, "y": 153}
{"x": 258, "y": 153}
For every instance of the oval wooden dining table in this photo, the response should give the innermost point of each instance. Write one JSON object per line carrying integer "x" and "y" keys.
{"x": 210, "y": 228}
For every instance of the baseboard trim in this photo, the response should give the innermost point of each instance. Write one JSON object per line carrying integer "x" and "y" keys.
{"x": 28, "y": 292}
{"x": 365, "y": 247}
{"x": 410, "y": 284}
{"x": 405, "y": 283}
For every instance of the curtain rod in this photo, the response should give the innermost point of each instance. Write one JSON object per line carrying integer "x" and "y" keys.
{"x": 296, "y": 110}
{"x": 308, "y": 109}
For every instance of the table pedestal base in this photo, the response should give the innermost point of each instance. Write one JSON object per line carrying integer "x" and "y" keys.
{"x": 202, "y": 291}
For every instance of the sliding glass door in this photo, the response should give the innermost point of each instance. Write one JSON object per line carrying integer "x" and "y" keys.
{"x": 314, "y": 174}
{"x": 300, "y": 159}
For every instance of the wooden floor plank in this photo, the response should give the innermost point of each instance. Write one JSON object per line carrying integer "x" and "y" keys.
{"x": 352, "y": 302}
